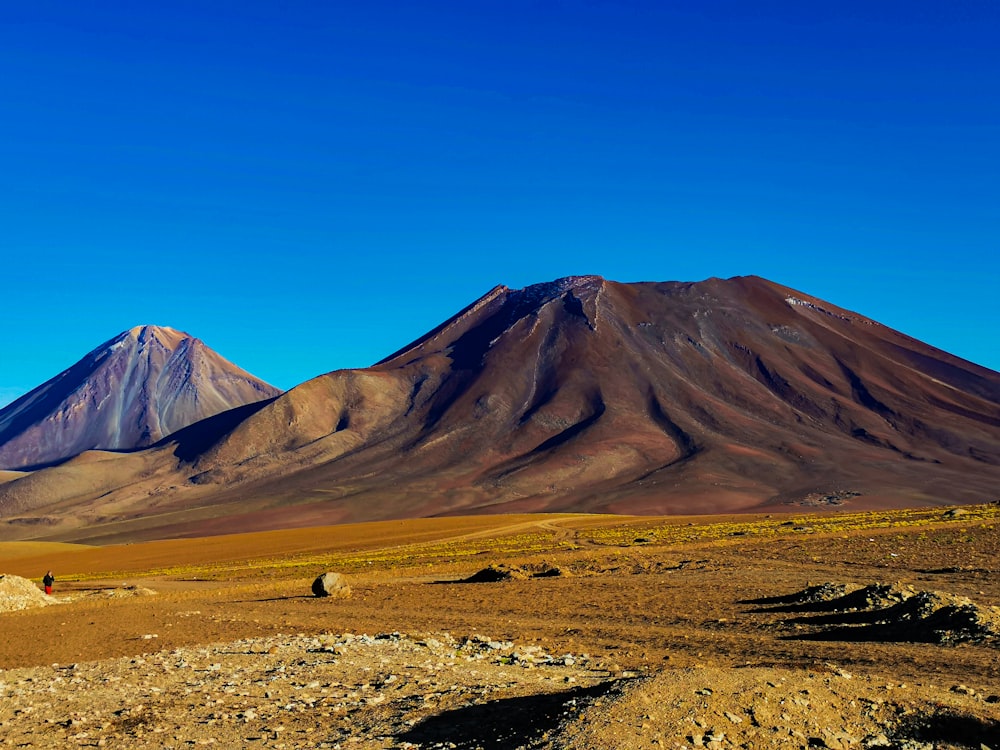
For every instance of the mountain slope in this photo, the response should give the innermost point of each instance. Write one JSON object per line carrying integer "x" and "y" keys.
{"x": 572, "y": 394}
{"x": 130, "y": 392}
{"x": 580, "y": 394}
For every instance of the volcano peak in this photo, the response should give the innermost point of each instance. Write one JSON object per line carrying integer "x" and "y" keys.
{"x": 131, "y": 391}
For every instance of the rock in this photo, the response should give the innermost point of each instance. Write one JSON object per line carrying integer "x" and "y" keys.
{"x": 331, "y": 584}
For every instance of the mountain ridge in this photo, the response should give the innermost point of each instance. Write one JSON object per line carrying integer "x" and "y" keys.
{"x": 585, "y": 394}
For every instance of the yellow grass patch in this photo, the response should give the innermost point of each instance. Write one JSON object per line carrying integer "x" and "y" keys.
{"x": 415, "y": 544}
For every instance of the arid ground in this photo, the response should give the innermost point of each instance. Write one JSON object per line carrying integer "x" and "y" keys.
{"x": 587, "y": 631}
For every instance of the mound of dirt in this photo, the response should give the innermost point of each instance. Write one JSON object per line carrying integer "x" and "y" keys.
{"x": 891, "y": 612}
{"x": 20, "y": 593}
{"x": 127, "y": 590}
{"x": 931, "y": 617}
{"x": 944, "y": 618}
{"x": 498, "y": 573}
{"x": 869, "y": 597}
{"x": 721, "y": 708}
{"x": 823, "y": 592}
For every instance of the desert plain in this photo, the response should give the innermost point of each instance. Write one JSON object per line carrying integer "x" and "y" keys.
{"x": 836, "y": 629}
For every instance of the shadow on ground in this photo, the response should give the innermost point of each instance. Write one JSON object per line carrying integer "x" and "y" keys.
{"x": 879, "y": 633}
{"x": 502, "y": 724}
{"x": 966, "y": 731}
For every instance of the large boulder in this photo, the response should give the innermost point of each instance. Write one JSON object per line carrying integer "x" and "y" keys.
{"x": 331, "y": 584}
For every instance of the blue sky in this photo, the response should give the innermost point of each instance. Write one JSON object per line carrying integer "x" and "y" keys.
{"x": 309, "y": 186}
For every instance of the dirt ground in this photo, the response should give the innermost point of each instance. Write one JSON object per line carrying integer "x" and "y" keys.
{"x": 603, "y": 632}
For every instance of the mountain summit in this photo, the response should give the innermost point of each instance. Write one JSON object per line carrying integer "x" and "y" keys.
{"x": 130, "y": 392}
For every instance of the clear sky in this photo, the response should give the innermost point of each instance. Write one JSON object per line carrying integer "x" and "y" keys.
{"x": 308, "y": 186}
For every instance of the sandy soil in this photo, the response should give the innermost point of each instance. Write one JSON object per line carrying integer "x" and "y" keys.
{"x": 645, "y": 632}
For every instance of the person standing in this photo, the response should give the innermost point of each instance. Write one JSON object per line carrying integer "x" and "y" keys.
{"x": 47, "y": 581}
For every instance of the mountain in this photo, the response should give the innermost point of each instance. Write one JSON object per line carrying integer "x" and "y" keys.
{"x": 130, "y": 392}
{"x": 577, "y": 395}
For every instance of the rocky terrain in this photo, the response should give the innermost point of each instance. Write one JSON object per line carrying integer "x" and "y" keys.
{"x": 396, "y": 691}
{"x": 282, "y": 691}
{"x": 20, "y": 593}
{"x": 756, "y": 708}
{"x": 832, "y": 631}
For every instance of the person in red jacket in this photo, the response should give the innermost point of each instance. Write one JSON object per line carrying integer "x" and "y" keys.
{"x": 47, "y": 581}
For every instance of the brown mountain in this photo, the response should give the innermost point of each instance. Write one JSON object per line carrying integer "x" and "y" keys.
{"x": 130, "y": 392}
{"x": 581, "y": 394}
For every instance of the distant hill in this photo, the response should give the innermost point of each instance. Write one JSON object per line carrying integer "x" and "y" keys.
{"x": 576, "y": 395}
{"x": 130, "y": 392}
